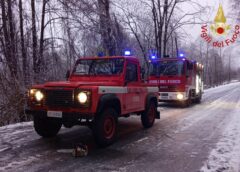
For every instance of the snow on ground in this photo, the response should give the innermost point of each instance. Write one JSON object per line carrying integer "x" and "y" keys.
{"x": 21, "y": 124}
{"x": 221, "y": 87}
{"x": 226, "y": 155}
{"x": 24, "y": 161}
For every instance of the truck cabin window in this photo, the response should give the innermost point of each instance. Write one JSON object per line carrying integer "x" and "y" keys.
{"x": 99, "y": 67}
{"x": 167, "y": 68}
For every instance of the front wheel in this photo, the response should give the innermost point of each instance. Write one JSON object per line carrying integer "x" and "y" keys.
{"x": 148, "y": 116}
{"x": 47, "y": 127}
{"x": 105, "y": 127}
{"x": 188, "y": 102}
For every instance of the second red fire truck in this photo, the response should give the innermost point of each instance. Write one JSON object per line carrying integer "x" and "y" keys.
{"x": 178, "y": 79}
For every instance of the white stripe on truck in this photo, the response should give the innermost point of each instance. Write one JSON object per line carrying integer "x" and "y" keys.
{"x": 152, "y": 89}
{"x": 121, "y": 90}
{"x": 109, "y": 89}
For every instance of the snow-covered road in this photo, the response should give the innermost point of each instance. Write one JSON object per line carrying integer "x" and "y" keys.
{"x": 201, "y": 138}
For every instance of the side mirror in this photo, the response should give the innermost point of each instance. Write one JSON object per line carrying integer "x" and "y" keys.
{"x": 67, "y": 74}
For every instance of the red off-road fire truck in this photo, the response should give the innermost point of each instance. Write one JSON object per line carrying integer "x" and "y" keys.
{"x": 97, "y": 92}
{"x": 178, "y": 79}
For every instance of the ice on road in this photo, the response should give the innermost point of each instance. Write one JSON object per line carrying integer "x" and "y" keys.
{"x": 203, "y": 138}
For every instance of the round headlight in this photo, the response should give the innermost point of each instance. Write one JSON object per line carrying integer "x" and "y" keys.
{"x": 179, "y": 96}
{"x": 39, "y": 96}
{"x": 82, "y": 97}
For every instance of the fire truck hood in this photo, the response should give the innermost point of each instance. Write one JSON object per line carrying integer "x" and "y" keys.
{"x": 77, "y": 84}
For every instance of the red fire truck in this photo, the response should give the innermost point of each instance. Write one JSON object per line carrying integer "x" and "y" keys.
{"x": 178, "y": 79}
{"x": 97, "y": 91}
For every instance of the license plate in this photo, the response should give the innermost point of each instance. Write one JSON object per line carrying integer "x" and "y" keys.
{"x": 55, "y": 114}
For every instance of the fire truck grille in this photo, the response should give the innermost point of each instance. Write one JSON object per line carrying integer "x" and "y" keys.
{"x": 59, "y": 98}
{"x": 168, "y": 89}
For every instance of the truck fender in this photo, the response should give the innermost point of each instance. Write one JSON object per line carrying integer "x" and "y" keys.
{"x": 109, "y": 100}
{"x": 151, "y": 97}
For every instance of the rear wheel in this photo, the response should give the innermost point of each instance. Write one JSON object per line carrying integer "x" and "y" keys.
{"x": 105, "y": 127}
{"x": 148, "y": 116}
{"x": 47, "y": 127}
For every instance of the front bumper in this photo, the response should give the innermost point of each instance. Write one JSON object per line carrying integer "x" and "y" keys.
{"x": 65, "y": 115}
{"x": 172, "y": 96}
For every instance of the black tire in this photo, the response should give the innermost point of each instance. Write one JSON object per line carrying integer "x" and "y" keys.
{"x": 198, "y": 99}
{"x": 148, "y": 116}
{"x": 105, "y": 127}
{"x": 47, "y": 127}
{"x": 188, "y": 102}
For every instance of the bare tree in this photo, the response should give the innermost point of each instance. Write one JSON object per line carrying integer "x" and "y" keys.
{"x": 23, "y": 49}
{"x": 105, "y": 23}
{"x": 41, "y": 58}
{"x": 9, "y": 37}
{"x": 36, "y": 60}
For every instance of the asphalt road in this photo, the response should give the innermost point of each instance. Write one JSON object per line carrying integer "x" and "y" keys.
{"x": 181, "y": 141}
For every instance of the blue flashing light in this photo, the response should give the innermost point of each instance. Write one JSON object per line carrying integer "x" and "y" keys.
{"x": 153, "y": 57}
{"x": 101, "y": 54}
{"x": 127, "y": 52}
{"x": 181, "y": 55}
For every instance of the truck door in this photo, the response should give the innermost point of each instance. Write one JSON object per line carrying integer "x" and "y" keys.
{"x": 133, "y": 98}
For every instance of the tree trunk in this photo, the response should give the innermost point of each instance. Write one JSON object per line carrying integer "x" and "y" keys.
{"x": 105, "y": 27}
{"x": 8, "y": 31}
{"x": 176, "y": 44}
{"x": 12, "y": 38}
{"x": 42, "y": 35}
{"x": 36, "y": 61}
{"x": 158, "y": 19}
{"x": 23, "y": 49}
{"x": 165, "y": 14}
{"x": 155, "y": 21}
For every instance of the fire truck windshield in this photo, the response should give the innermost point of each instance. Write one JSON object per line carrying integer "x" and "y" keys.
{"x": 99, "y": 67}
{"x": 167, "y": 68}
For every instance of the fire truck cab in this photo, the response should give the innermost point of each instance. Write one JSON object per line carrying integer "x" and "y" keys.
{"x": 178, "y": 80}
{"x": 97, "y": 92}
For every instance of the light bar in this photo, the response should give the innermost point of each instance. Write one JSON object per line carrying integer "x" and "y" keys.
{"x": 127, "y": 52}
{"x": 153, "y": 56}
{"x": 181, "y": 55}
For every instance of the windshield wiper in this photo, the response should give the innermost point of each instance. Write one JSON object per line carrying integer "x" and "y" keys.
{"x": 166, "y": 70}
